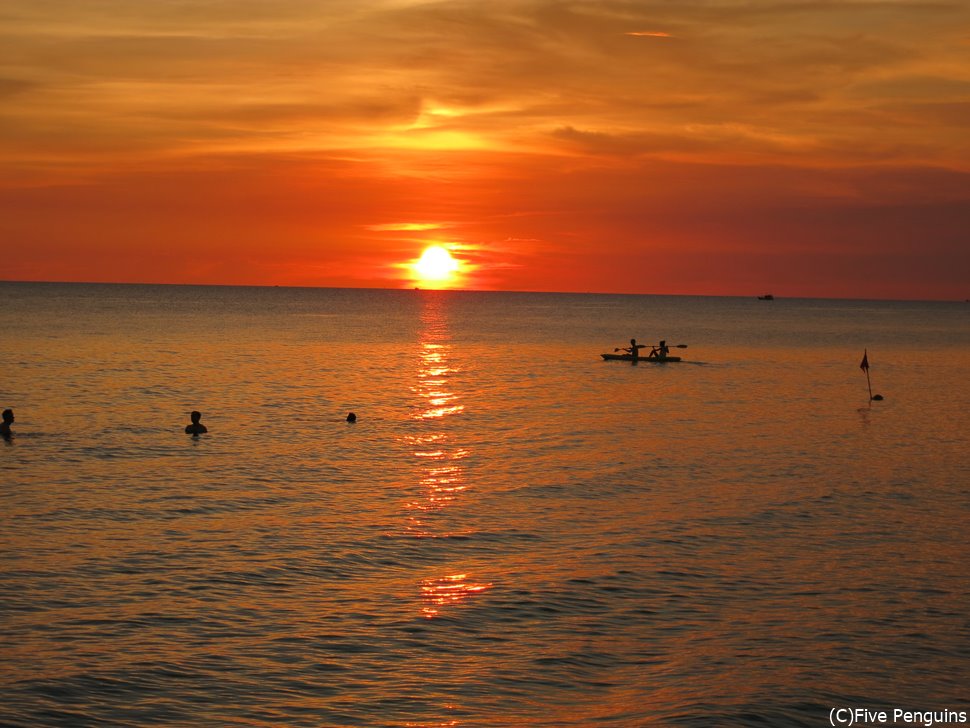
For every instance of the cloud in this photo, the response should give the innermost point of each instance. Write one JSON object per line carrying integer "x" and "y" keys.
{"x": 321, "y": 76}
{"x": 10, "y": 87}
{"x": 409, "y": 226}
{"x": 649, "y": 34}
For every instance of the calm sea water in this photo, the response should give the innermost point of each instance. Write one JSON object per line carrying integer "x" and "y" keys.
{"x": 514, "y": 533}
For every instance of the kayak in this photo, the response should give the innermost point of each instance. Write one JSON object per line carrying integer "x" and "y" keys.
{"x": 651, "y": 360}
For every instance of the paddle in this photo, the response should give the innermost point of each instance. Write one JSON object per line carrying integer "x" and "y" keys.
{"x": 643, "y": 346}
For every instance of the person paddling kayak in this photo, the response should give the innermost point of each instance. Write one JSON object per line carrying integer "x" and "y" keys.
{"x": 634, "y": 349}
{"x": 660, "y": 351}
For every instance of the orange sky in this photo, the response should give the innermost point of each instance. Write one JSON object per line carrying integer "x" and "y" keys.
{"x": 815, "y": 148}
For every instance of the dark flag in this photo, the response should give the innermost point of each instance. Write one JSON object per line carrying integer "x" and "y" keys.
{"x": 864, "y": 366}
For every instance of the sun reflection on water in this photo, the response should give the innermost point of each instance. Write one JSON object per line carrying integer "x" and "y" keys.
{"x": 432, "y": 385}
{"x": 441, "y": 479}
{"x": 447, "y": 591}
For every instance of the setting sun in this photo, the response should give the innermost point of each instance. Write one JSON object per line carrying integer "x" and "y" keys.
{"x": 436, "y": 264}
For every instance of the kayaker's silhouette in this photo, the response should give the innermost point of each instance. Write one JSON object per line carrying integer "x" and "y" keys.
{"x": 634, "y": 349}
{"x": 660, "y": 351}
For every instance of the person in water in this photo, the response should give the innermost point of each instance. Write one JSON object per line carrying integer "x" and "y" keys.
{"x": 196, "y": 428}
{"x": 351, "y": 417}
{"x": 5, "y": 431}
{"x": 660, "y": 351}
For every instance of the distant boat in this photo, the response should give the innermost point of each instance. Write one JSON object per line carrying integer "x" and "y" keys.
{"x": 766, "y": 297}
{"x": 650, "y": 359}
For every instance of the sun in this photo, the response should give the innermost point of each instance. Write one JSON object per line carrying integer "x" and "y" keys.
{"x": 435, "y": 264}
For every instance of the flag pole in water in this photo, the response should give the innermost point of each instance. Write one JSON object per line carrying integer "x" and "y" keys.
{"x": 864, "y": 366}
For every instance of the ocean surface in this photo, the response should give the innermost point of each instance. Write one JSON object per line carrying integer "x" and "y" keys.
{"x": 514, "y": 532}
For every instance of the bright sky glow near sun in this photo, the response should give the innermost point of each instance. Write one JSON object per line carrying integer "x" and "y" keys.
{"x": 815, "y": 148}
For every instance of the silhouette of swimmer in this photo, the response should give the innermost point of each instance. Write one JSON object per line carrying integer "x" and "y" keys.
{"x": 196, "y": 428}
{"x": 351, "y": 417}
{"x": 5, "y": 431}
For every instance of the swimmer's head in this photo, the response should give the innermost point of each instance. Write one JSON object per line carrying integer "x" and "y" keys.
{"x": 196, "y": 416}
{"x": 351, "y": 417}
{"x": 8, "y": 415}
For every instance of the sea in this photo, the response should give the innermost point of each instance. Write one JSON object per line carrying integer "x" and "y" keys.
{"x": 514, "y": 532}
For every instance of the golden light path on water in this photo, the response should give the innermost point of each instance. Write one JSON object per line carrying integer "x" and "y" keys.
{"x": 442, "y": 479}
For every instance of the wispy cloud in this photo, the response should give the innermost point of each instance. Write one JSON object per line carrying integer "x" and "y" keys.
{"x": 409, "y": 226}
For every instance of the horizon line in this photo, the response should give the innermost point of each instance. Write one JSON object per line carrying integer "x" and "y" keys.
{"x": 422, "y": 289}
